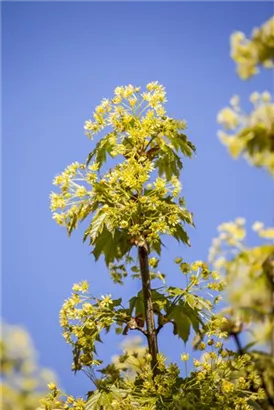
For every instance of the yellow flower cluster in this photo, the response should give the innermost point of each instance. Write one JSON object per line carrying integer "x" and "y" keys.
{"x": 128, "y": 201}
{"x": 248, "y": 54}
{"x": 115, "y": 195}
{"x": 83, "y": 317}
{"x": 266, "y": 233}
{"x": 56, "y": 399}
{"x": 128, "y": 103}
{"x": 219, "y": 380}
{"x": 73, "y": 200}
{"x": 244, "y": 266}
{"x": 252, "y": 134}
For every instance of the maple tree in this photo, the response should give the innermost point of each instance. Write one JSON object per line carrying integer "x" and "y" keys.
{"x": 128, "y": 195}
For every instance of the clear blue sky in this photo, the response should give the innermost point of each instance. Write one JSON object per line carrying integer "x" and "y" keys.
{"x": 59, "y": 60}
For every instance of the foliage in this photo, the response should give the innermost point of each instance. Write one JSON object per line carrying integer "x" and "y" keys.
{"x": 130, "y": 205}
{"x": 249, "y": 287}
{"x": 250, "y": 134}
{"x": 216, "y": 381}
{"x": 84, "y": 317}
{"x": 249, "y": 274}
{"x": 129, "y": 189}
{"x": 22, "y": 382}
{"x": 249, "y": 270}
{"x": 259, "y": 50}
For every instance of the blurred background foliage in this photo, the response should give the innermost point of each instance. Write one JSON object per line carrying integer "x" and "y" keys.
{"x": 23, "y": 381}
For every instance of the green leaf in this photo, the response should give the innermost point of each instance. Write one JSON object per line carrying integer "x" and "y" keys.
{"x": 193, "y": 315}
{"x": 156, "y": 246}
{"x": 88, "y": 210}
{"x": 180, "y": 234}
{"x": 168, "y": 163}
{"x": 182, "y": 322}
{"x": 93, "y": 400}
{"x": 175, "y": 291}
{"x": 249, "y": 345}
{"x": 137, "y": 303}
{"x": 254, "y": 405}
{"x": 112, "y": 245}
{"x": 97, "y": 225}
{"x": 105, "y": 244}
{"x": 116, "y": 302}
{"x": 72, "y": 224}
{"x": 132, "y": 302}
{"x": 103, "y": 147}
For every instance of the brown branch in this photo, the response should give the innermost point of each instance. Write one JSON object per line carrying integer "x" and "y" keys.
{"x": 148, "y": 304}
{"x": 135, "y": 324}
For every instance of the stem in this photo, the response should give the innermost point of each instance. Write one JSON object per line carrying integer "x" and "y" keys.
{"x": 148, "y": 303}
{"x": 238, "y": 343}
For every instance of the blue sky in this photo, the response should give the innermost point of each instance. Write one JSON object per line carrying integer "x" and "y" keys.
{"x": 58, "y": 61}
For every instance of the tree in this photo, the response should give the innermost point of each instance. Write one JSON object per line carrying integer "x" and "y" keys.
{"x": 129, "y": 192}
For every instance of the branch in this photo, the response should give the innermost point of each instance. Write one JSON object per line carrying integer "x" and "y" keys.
{"x": 148, "y": 305}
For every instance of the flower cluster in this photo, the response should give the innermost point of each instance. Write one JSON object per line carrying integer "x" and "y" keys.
{"x": 128, "y": 103}
{"x": 219, "y": 380}
{"x": 129, "y": 204}
{"x": 125, "y": 200}
{"x": 248, "y": 54}
{"x": 75, "y": 192}
{"x": 83, "y": 318}
{"x": 250, "y": 134}
{"x": 244, "y": 270}
{"x": 200, "y": 277}
{"x": 56, "y": 399}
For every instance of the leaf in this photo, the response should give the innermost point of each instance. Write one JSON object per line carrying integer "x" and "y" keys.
{"x": 180, "y": 234}
{"x": 249, "y": 345}
{"x": 97, "y": 225}
{"x": 103, "y": 147}
{"x": 93, "y": 400}
{"x": 254, "y": 405}
{"x": 116, "y": 302}
{"x": 98, "y": 338}
{"x": 113, "y": 245}
{"x": 88, "y": 210}
{"x": 193, "y": 315}
{"x": 132, "y": 302}
{"x": 137, "y": 303}
{"x": 186, "y": 147}
{"x": 175, "y": 291}
{"x": 72, "y": 224}
{"x": 156, "y": 246}
{"x": 168, "y": 163}
{"x": 105, "y": 244}
{"x": 182, "y": 322}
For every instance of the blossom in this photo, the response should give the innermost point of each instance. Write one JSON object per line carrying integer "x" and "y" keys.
{"x": 106, "y": 300}
{"x": 257, "y": 226}
{"x": 228, "y": 118}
